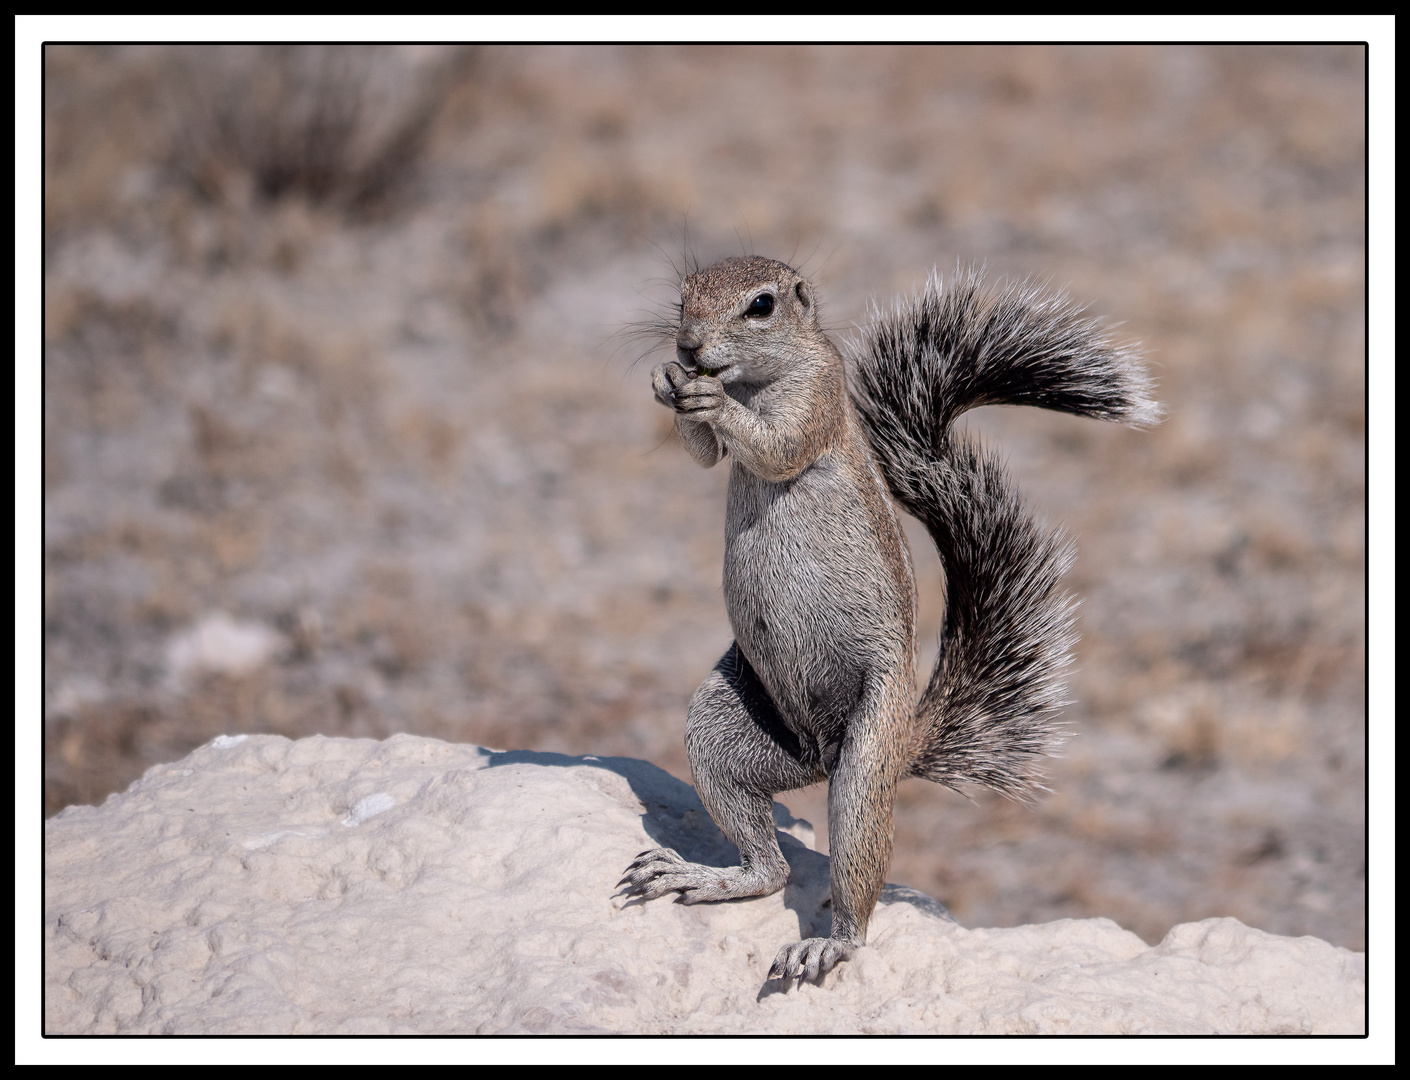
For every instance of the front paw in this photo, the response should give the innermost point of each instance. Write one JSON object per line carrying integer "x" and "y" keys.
{"x": 809, "y": 960}
{"x": 666, "y": 380}
{"x": 701, "y": 398}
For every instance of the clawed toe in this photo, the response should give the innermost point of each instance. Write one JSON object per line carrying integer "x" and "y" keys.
{"x": 655, "y": 855}
{"x": 809, "y": 960}
{"x": 650, "y": 874}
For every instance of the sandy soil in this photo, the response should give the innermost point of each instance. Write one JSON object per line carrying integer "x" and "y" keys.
{"x": 347, "y": 430}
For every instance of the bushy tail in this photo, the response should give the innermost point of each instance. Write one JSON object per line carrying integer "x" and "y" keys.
{"x": 990, "y": 708}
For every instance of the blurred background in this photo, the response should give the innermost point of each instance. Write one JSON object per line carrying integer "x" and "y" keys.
{"x": 347, "y": 430}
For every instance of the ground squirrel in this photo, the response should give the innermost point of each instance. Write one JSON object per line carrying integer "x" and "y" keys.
{"x": 819, "y": 682}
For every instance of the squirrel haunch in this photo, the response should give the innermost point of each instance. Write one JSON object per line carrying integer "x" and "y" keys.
{"x": 819, "y": 682}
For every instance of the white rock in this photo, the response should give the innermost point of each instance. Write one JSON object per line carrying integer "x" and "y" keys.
{"x": 225, "y": 894}
{"x": 221, "y": 644}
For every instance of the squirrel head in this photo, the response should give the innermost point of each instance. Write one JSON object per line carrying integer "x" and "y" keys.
{"x": 746, "y": 320}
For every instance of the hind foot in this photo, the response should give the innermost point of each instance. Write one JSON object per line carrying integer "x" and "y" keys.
{"x": 809, "y": 960}
{"x": 661, "y": 870}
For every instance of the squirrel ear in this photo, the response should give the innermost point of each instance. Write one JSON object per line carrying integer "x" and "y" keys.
{"x": 805, "y": 297}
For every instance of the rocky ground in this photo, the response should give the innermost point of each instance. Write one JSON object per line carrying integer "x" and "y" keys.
{"x": 347, "y": 430}
{"x": 415, "y": 887}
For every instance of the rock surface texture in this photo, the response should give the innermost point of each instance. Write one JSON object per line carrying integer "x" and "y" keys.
{"x": 263, "y": 886}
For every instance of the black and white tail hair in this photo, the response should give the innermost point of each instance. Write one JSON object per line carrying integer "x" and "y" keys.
{"x": 990, "y": 709}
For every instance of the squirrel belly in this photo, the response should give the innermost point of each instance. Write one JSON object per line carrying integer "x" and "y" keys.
{"x": 817, "y": 621}
{"x": 818, "y": 585}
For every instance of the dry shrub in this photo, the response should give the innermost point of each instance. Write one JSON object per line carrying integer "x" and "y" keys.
{"x": 336, "y": 124}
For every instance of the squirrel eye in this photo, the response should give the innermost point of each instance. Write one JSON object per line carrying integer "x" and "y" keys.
{"x": 761, "y": 307}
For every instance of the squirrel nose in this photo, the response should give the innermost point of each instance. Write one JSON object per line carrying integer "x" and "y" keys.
{"x": 688, "y": 345}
